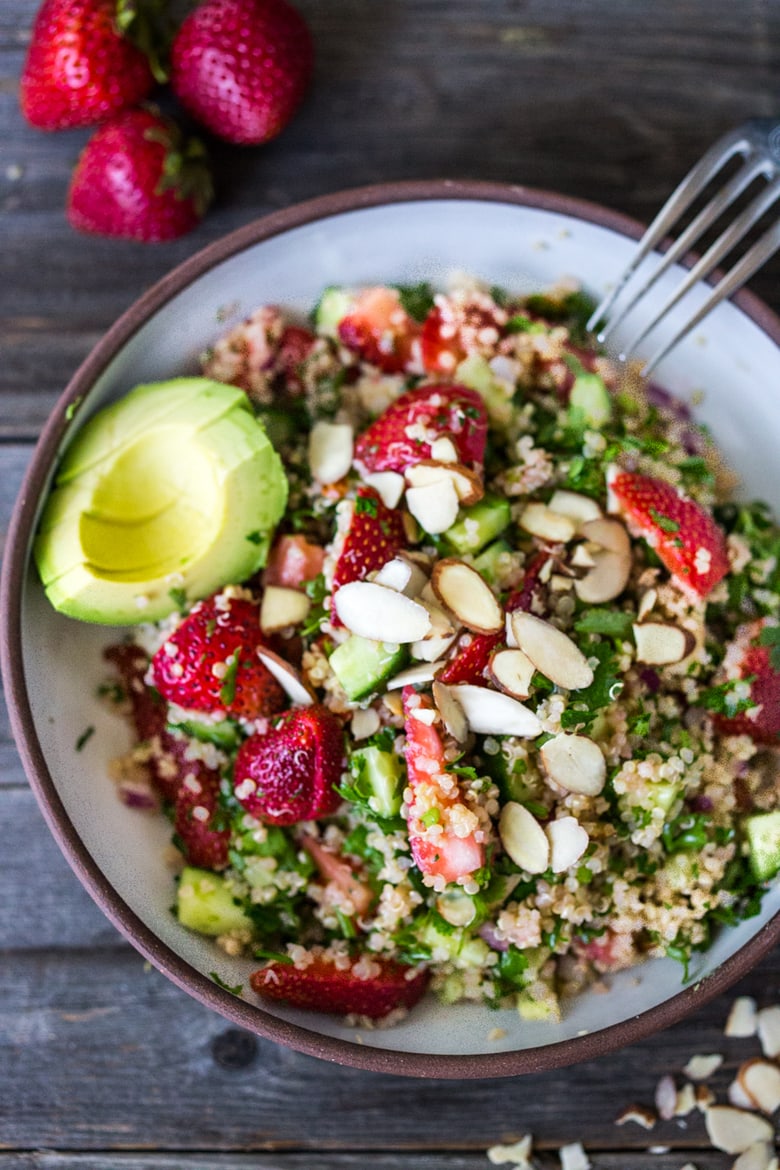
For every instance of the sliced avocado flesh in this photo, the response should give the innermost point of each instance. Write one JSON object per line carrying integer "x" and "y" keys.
{"x": 188, "y": 505}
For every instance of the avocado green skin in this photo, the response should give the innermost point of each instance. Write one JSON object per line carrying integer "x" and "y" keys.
{"x": 235, "y": 495}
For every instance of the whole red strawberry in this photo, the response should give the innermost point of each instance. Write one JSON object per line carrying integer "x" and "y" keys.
{"x": 209, "y": 663}
{"x": 136, "y": 178}
{"x": 404, "y": 432}
{"x": 241, "y": 67}
{"x": 290, "y": 774}
{"x": 372, "y": 986}
{"x": 375, "y": 534}
{"x": 681, "y": 532}
{"x": 80, "y": 69}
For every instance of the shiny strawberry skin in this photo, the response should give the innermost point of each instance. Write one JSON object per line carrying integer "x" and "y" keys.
{"x": 79, "y": 69}
{"x": 682, "y": 533}
{"x": 119, "y": 186}
{"x": 202, "y": 836}
{"x": 451, "y": 410}
{"x": 241, "y": 67}
{"x": 762, "y": 722}
{"x": 323, "y": 987}
{"x": 379, "y": 329}
{"x": 211, "y": 636}
{"x": 376, "y": 533}
{"x": 290, "y": 774}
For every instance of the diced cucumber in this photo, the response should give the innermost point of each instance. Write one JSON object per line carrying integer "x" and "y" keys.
{"x": 475, "y": 372}
{"x": 510, "y": 771}
{"x": 589, "y": 401}
{"x": 206, "y": 903}
{"x": 361, "y": 665}
{"x": 477, "y": 525}
{"x": 334, "y": 304}
{"x": 762, "y": 831}
{"x": 492, "y": 560}
{"x": 381, "y": 772}
{"x": 223, "y": 734}
{"x": 461, "y": 948}
{"x": 538, "y": 1002}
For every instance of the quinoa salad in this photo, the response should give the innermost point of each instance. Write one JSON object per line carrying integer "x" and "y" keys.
{"x": 499, "y": 715}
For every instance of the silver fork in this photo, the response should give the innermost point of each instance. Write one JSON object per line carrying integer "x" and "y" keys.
{"x": 758, "y": 142}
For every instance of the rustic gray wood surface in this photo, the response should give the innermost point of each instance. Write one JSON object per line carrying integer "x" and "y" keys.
{"x": 103, "y": 1063}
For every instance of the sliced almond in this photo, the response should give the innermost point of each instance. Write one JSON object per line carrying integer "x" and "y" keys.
{"x": 756, "y": 1157}
{"x": 389, "y": 485}
{"x": 444, "y": 450}
{"x": 330, "y": 451}
{"x": 395, "y": 574}
{"x": 666, "y": 1097}
{"x": 661, "y": 643}
{"x": 523, "y": 838}
{"x": 639, "y": 1114}
{"x": 608, "y": 533}
{"x": 551, "y": 651}
{"x": 423, "y": 672}
{"x": 606, "y": 580}
{"x": 381, "y": 614}
{"x": 434, "y": 506}
{"x": 768, "y": 1028}
{"x": 364, "y": 723}
{"x": 738, "y": 1097}
{"x": 734, "y": 1130}
{"x": 468, "y": 485}
{"x": 577, "y": 507}
{"x": 583, "y": 556}
{"x": 541, "y": 521}
{"x": 431, "y": 648}
{"x": 282, "y": 607}
{"x": 701, "y": 1066}
{"x": 742, "y": 1019}
{"x": 686, "y": 1100}
{"x": 575, "y": 763}
{"x": 568, "y": 841}
{"x": 512, "y": 671}
{"x": 452, "y": 714}
{"x": 760, "y": 1079}
{"x": 490, "y": 712}
{"x": 419, "y": 577}
{"x": 560, "y": 583}
{"x": 646, "y": 603}
{"x": 466, "y": 594}
{"x": 287, "y": 676}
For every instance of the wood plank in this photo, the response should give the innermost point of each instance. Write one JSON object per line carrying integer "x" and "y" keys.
{"x": 328, "y": 1160}
{"x": 101, "y": 1052}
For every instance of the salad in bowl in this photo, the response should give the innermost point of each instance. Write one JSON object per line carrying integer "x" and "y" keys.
{"x": 449, "y": 656}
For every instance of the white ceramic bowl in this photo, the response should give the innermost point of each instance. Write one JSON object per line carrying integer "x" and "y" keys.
{"x": 520, "y": 239}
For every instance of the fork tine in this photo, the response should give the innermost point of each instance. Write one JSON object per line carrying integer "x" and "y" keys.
{"x": 742, "y": 271}
{"x": 722, "y": 246}
{"x": 722, "y": 199}
{"x": 678, "y": 202}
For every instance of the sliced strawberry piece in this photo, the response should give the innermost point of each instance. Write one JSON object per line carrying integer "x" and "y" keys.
{"x": 209, "y": 663}
{"x": 403, "y": 433}
{"x": 375, "y": 534}
{"x": 682, "y": 532}
{"x": 295, "y": 346}
{"x": 339, "y": 875}
{"x": 379, "y": 330}
{"x": 203, "y": 836}
{"x": 293, "y": 561}
{"x": 749, "y": 658}
{"x": 444, "y": 343}
{"x": 371, "y": 986}
{"x": 290, "y": 774}
{"x": 443, "y": 843}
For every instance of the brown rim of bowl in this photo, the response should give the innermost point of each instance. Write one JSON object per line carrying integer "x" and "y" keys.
{"x": 246, "y": 1015}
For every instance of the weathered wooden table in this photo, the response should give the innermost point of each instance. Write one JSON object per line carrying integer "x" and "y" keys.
{"x": 103, "y": 1063}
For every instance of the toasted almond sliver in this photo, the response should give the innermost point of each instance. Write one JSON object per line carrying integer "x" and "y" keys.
{"x": 512, "y": 671}
{"x": 575, "y": 763}
{"x": 466, "y": 594}
{"x": 541, "y": 521}
{"x": 666, "y": 1097}
{"x": 395, "y": 574}
{"x": 768, "y": 1028}
{"x": 421, "y": 672}
{"x": 468, "y": 485}
{"x": 610, "y": 534}
{"x": 433, "y": 647}
{"x": 686, "y": 1100}
{"x": 701, "y": 1066}
{"x": 577, "y": 507}
{"x": 661, "y": 643}
{"x": 734, "y": 1130}
{"x": 638, "y": 1114}
{"x": 523, "y": 838}
{"x": 452, "y": 714}
{"x": 434, "y": 506}
{"x": 742, "y": 1019}
{"x": 738, "y": 1097}
{"x": 380, "y": 614}
{"x": 552, "y": 652}
{"x": 568, "y": 841}
{"x": 364, "y": 723}
{"x": 606, "y": 580}
{"x": 287, "y": 677}
{"x": 330, "y": 451}
{"x": 760, "y": 1080}
{"x": 282, "y": 607}
{"x": 491, "y": 712}
{"x": 756, "y": 1157}
{"x": 444, "y": 450}
{"x": 389, "y": 485}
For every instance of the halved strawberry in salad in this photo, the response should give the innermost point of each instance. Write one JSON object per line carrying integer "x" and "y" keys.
{"x": 369, "y": 986}
{"x": 446, "y": 340}
{"x": 209, "y": 663}
{"x": 749, "y": 657}
{"x": 379, "y": 330}
{"x": 442, "y": 829}
{"x": 403, "y": 433}
{"x": 374, "y": 535}
{"x": 682, "y": 533}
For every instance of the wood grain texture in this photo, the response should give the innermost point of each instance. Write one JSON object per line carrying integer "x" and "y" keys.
{"x": 103, "y": 1063}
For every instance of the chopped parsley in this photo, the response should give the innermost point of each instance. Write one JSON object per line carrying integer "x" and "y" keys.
{"x": 85, "y": 737}
{"x": 234, "y": 989}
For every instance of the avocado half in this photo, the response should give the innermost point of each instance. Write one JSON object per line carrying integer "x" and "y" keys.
{"x": 173, "y": 490}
